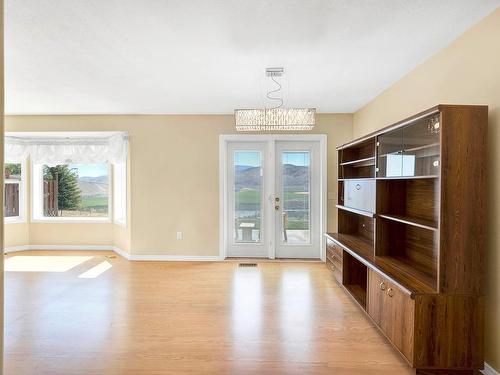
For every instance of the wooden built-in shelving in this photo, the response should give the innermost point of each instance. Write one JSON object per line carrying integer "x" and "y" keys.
{"x": 356, "y": 211}
{"x": 358, "y": 179}
{"x": 422, "y": 239}
{"x": 415, "y": 221}
{"x": 408, "y": 177}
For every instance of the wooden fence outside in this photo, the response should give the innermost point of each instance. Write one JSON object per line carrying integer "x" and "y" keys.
{"x": 50, "y": 197}
{"x": 11, "y": 200}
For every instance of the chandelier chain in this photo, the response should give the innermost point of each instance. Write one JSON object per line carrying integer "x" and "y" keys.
{"x": 269, "y": 93}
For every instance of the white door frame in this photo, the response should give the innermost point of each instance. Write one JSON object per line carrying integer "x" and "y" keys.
{"x": 224, "y": 139}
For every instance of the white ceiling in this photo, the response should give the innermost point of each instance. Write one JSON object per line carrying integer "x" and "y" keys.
{"x": 209, "y": 56}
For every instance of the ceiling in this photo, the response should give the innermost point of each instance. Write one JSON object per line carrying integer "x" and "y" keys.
{"x": 209, "y": 56}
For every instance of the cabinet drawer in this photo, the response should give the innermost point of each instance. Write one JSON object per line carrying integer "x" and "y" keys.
{"x": 393, "y": 311}
{"x": 337, "y": 271}
{"x": 334, "y": 248}
{"x": 335, "y": 257}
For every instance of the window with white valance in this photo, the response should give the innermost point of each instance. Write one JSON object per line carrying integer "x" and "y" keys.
{"x": 71, "y": 174}
{"x": 67, "y": 148}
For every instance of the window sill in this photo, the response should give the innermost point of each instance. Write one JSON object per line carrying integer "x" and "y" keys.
{"x": 14, "y": 220}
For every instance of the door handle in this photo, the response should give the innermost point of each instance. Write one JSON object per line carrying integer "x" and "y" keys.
{"x": 276, "y": 208}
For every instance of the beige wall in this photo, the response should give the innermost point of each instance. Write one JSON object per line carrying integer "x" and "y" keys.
{"x": 174, "y": 180}
{"x": 1, "y": 180}
{"x": 17, "y": 234}
{"x": 466, "y": 72}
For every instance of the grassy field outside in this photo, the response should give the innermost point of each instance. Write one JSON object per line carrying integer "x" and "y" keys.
{"x": 91, "y": 207}
{"x": 88, "y": 202}
{"x": 251, "y": 198}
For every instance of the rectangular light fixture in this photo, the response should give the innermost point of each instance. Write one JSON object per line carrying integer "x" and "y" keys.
{"x": 277, "y": 119}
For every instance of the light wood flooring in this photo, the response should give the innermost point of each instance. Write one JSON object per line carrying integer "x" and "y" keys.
{"x": 152, "y": 318}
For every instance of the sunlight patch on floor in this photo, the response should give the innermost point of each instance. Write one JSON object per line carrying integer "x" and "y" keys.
{"x": 96, "y": 270}
{"x": 44, "y": 263}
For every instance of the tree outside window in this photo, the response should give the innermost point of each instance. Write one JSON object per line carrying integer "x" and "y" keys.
{"x": 76, "y": 190}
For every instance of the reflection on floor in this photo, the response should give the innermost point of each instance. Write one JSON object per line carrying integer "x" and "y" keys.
{"x": 293, "y": 236}
{"x": 103, "y": 315}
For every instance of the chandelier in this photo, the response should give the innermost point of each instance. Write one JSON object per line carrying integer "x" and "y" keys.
{"x": 277, "y": 118}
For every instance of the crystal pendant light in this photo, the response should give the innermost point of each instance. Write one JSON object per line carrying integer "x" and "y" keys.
{"x": 277, "y": 118}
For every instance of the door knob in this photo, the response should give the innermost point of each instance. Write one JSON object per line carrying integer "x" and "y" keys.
{"x": 390, "y": 292}
{"x": 276, "y": 208}
{"x": 382, "y": 286}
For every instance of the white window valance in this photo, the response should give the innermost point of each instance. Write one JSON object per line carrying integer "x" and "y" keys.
{"x": 67, "y": 149}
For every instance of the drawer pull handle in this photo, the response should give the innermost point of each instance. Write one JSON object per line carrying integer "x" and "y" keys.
{"x": 390, "y": 292}
{"x": 382, "y": 286}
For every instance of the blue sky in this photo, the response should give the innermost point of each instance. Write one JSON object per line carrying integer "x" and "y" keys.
{"x": 90, "y": 170}
{"x": 247, "y": 158}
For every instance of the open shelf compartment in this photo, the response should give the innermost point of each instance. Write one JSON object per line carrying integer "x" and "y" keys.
{"x": 357, "y": 152}
{"x": 357, "y": 226}
{"x": 357, "y": 161}
{"x": 409, "y": 201}
{"x": 411, "y": 249}
{"x": 355, "y": 278}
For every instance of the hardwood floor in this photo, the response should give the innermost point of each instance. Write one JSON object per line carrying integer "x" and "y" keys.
{"x": 151, "y": 318}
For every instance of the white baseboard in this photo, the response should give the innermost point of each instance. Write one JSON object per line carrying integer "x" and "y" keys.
{"x": 121, "y": 252}
{"x": 174, "y": 258}
{"x": 117, "y": 250}
{"x": 166, "y": 258}
{"x": 13, "y": 249}
{"x": 71, "y": 247}
{"x": 488, "y": 370}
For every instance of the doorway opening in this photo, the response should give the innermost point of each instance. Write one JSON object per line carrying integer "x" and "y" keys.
{"x": 272, "y": 196}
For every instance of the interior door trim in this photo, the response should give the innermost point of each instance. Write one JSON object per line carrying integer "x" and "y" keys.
{"x": 224, "y": 139}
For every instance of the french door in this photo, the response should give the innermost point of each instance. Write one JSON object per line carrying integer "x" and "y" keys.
{"x": 273, "y": 199}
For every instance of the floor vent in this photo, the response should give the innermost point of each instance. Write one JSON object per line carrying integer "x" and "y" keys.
{"x": 247, "y": 264}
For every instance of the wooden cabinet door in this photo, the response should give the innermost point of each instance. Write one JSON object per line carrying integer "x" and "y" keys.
{"x": 376, "y": 298}
{"x": 393, "y": 311}
{"x": 400, "y": 317}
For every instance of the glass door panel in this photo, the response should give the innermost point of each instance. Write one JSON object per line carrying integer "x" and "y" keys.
{"x": 390, "y": 156}
{"x": 421, "y": 148}
{"x": 297, "y": 200}
{"x": 246, "y": 206}
{"x": 247, "y": 196}
{"x": 295, "y": 169}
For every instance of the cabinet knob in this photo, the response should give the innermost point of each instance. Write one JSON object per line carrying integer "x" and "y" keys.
{"x": 382, "y": 286}
{"x": 390, "y": 292}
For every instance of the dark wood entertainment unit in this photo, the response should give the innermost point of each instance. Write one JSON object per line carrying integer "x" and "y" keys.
{"x": 415, "y": 263}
